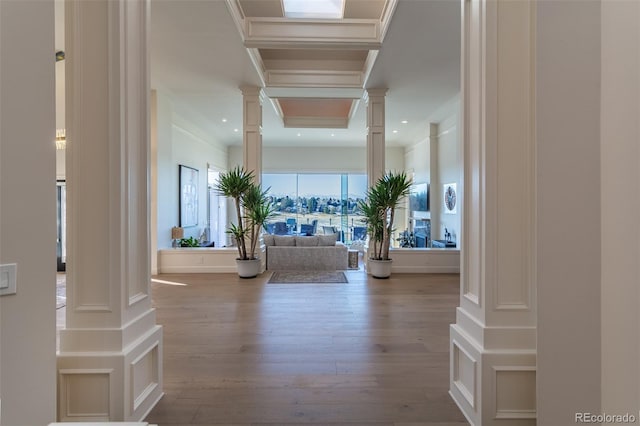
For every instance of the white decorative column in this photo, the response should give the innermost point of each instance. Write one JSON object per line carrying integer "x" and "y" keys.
{"x": 375, "y": 134}
{"x": 493, "y": 343}
{"x": 252, "y": 98}
{"x": 110, "y": 359}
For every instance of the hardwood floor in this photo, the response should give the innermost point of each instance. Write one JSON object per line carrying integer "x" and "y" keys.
{"x": 244, "y": 352}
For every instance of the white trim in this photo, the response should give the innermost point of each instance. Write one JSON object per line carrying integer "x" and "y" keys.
{"x": 64, "y": 409}
{"x": 468, "y": 394}
{"x": 282, "y": 33}
{"x": 313, "y": 78}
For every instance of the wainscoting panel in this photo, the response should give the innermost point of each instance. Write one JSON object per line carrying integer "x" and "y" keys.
{"x": 515, "y": 392}
{"x": 464, "y": 373}
{"x": 144, "y": 374}
{"x": 84, "y": 394}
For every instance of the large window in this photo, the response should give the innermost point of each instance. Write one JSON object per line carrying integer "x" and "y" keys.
{"x": 325, "y": 202}
{"x": 216, "y": 211}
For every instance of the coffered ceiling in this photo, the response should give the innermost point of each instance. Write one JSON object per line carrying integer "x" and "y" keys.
{"x": 314, "y": 71}
{"x": 313, "y": 53}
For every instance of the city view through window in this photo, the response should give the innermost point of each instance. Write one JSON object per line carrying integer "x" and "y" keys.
{"x": 317, "y": 203}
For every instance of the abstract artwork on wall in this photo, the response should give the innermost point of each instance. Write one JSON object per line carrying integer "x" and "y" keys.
{"x": 188, "y": 196}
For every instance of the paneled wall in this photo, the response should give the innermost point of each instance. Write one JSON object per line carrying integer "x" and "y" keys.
{"x": 28, "y": 212}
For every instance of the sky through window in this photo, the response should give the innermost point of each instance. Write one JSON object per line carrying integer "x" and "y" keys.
{"x": 314, "y": 9}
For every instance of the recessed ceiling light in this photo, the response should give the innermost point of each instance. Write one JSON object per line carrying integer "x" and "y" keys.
{"x": 224, "y": 120}
{"x": 235, "y": 130}
{"x": 395, "y": 131}
{"x": 404, "y": 121}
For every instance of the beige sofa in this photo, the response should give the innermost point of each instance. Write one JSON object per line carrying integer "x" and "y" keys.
{"x": 305, "y": 253}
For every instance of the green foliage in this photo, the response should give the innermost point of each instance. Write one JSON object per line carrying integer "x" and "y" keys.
{"x": 253, "y": 208}
{"x": 379, "y": 210}
{"x": 189, "y": 242}
{"x": 257, "y": 209}
{"x": 234, "y": 184}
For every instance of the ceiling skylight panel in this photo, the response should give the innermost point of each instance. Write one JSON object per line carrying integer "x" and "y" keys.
{"x": 314, "y": 9}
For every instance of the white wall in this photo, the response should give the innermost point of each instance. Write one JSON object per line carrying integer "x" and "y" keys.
{"x": 568, "y": 210}
{"x": 437, "y": 159}
{"x": 417, "y": 159}
{"x": 620, "y": 208}
{"x": 180, "y": 142}
{"x": 28, "y": 212}
{"x": 449, "y": 171}
{"x": 317, "y": 159}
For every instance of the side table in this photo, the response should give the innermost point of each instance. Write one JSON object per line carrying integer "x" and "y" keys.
{"x": 353, "y": 259}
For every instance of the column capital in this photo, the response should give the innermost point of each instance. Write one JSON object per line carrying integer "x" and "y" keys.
{"x": 252, "y": 91}
{"x": 374, "y": 93}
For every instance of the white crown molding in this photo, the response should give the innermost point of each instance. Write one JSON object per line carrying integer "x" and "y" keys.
{"x": 278, "y": 109}
{"x": 387, "y": 14}
{"x": 258, "y": 64}
{"x": 238, "y": 15}
{"x": 354, "y": 108}
{"x": 312, "y": 78}
{"x": 368, "y": 66}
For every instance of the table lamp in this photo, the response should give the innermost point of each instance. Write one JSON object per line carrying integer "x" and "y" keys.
{"x": 177, "y": 234}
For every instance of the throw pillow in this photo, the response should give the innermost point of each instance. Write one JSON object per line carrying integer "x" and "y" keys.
{"x": 268, "y": 240}
{"x": 327, "y": 240}
{"x": 281, "y": 240}
{"x": 307, "y": 241}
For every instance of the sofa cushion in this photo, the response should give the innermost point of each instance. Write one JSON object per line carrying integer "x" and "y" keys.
{"x": 327, "y": 240}
{"x": 281, "y": 240}
{"x": 306, "y": 241}
{"x": 268, "y": 240}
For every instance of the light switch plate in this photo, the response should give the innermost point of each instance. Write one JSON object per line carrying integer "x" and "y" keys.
{"x": 8, "y": 274}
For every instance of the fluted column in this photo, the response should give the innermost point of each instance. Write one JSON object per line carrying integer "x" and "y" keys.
{"x": 493, "y": 343}
{"x": 375, "y": 134}
{"x": 110, "y": 359}
{"x": 252, "y": 98}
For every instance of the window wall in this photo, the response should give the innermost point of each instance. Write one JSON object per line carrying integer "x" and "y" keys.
{"x": 327, "y": 202}
{"x": 216, "y": 211}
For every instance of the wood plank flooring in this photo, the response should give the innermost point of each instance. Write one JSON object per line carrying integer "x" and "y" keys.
{"x": 244, "y": 352}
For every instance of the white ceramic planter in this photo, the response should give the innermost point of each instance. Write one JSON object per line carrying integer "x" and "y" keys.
{"x": 248, "y": 268}
{"x": 380, "y": 268}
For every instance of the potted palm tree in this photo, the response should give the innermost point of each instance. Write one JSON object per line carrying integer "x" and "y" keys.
{"x": 379, "y": 211}
{"x": 253, "y": 209}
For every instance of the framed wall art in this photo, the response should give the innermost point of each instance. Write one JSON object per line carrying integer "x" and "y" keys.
{"x": 450, "y": 197}
{"x": 188, "y": 199}
{"x": 419, "y": 200}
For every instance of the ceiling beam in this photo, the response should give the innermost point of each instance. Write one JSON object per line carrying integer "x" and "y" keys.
{"x": 313, "y": 78}
{"x": 279, "y": 33}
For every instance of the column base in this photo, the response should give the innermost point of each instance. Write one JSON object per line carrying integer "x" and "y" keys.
{"x": 493, "y": 386}
{"x": 111, "y": 386}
